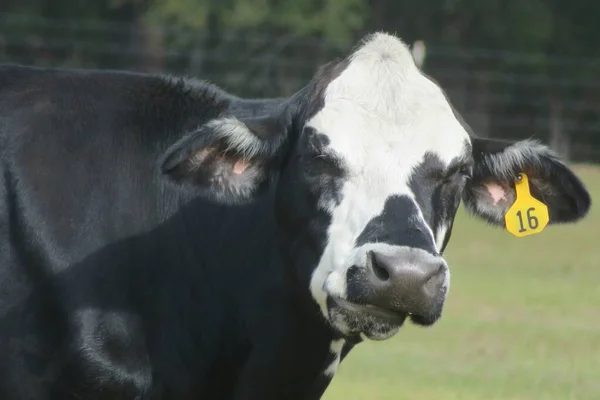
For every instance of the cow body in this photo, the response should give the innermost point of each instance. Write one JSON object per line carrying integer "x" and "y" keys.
{"x": 162, "y": 239}
{"x": 88, "y": 298}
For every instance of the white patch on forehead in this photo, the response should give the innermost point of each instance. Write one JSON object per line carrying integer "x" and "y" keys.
{"x": 381, "y": 102}
{"x": 335, "y": 348}
{"x": 381, "y": 116}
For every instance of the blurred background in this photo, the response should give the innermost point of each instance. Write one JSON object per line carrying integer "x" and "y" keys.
{"x": 523, "y": 315}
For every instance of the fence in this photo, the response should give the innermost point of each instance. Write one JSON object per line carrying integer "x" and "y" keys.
{"x": 504, "y": 95}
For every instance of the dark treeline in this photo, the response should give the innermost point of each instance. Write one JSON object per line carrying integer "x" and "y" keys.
{"x": 514, "y": 68}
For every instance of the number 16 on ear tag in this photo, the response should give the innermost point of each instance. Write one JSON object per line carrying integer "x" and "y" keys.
{"x": 527, "y": 215}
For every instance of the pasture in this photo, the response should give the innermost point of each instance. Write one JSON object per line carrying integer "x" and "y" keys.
{"x": 522, "y": 321}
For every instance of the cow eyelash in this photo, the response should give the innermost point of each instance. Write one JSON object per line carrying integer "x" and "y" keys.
{"x": 322, "y": 164}
{"x": 466, "y": 170}
{"x": 323, "y": 159}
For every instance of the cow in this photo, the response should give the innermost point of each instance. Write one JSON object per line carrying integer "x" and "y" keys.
{"x": 161, "y": 238}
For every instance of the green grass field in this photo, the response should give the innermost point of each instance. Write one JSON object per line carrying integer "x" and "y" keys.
{"x": 522, "y": 321}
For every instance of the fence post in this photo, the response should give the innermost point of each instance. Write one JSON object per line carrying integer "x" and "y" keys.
{"x": 559, "y": 139}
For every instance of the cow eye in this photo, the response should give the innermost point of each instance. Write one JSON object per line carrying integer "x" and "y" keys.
{"x": 461, "y": 172}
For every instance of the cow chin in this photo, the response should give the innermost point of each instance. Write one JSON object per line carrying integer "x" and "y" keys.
{"x": 353, "y": 319}
{"x": 350, "y": 320}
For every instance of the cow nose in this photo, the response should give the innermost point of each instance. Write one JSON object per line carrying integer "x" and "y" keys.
{"x": 414, "y": 286}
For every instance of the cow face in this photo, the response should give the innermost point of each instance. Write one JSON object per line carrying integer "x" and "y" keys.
{"x": 370, "y": 163}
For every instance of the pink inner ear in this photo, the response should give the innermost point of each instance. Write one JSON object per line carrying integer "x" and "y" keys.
{"x": 496, "y": 192}
{"x": 240, "y": 166}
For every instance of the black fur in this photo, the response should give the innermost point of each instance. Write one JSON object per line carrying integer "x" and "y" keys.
{"x": 381, "y": 229}
{"x": 119, "y": 283}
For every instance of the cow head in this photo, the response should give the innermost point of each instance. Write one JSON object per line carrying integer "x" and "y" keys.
{"x": 369, "y": 163}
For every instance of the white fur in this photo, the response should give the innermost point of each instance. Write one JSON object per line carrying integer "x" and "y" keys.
{"x": 516, "y": 156}
{"x": 237, "y": 135}
{"x": 335, "y": 348}
{"x": 440, "y": 235}
{"x": 381, "y": 116}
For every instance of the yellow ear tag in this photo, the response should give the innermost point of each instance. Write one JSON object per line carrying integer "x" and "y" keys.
{"x": 527, "y": 215}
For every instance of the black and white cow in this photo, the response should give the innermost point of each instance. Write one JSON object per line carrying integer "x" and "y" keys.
{"x": 162, "y": 239}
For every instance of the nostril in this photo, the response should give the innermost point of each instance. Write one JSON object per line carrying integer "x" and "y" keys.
{"x": 436, "y": 280}
{"x": 439, "y": 272}
{"x": 380, "y": 272}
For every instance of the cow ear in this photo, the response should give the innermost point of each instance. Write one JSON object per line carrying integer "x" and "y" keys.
{"x": 231, "y": 160}
{"x": 491, "y": 191}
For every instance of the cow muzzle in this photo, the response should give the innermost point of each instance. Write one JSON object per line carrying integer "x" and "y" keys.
{"x": 395, "y": 283}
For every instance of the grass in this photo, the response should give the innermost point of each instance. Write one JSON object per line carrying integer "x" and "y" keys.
{"x": 522, "y": 321}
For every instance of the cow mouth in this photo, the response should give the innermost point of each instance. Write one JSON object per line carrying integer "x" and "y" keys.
{"x": 391, "y": 317}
